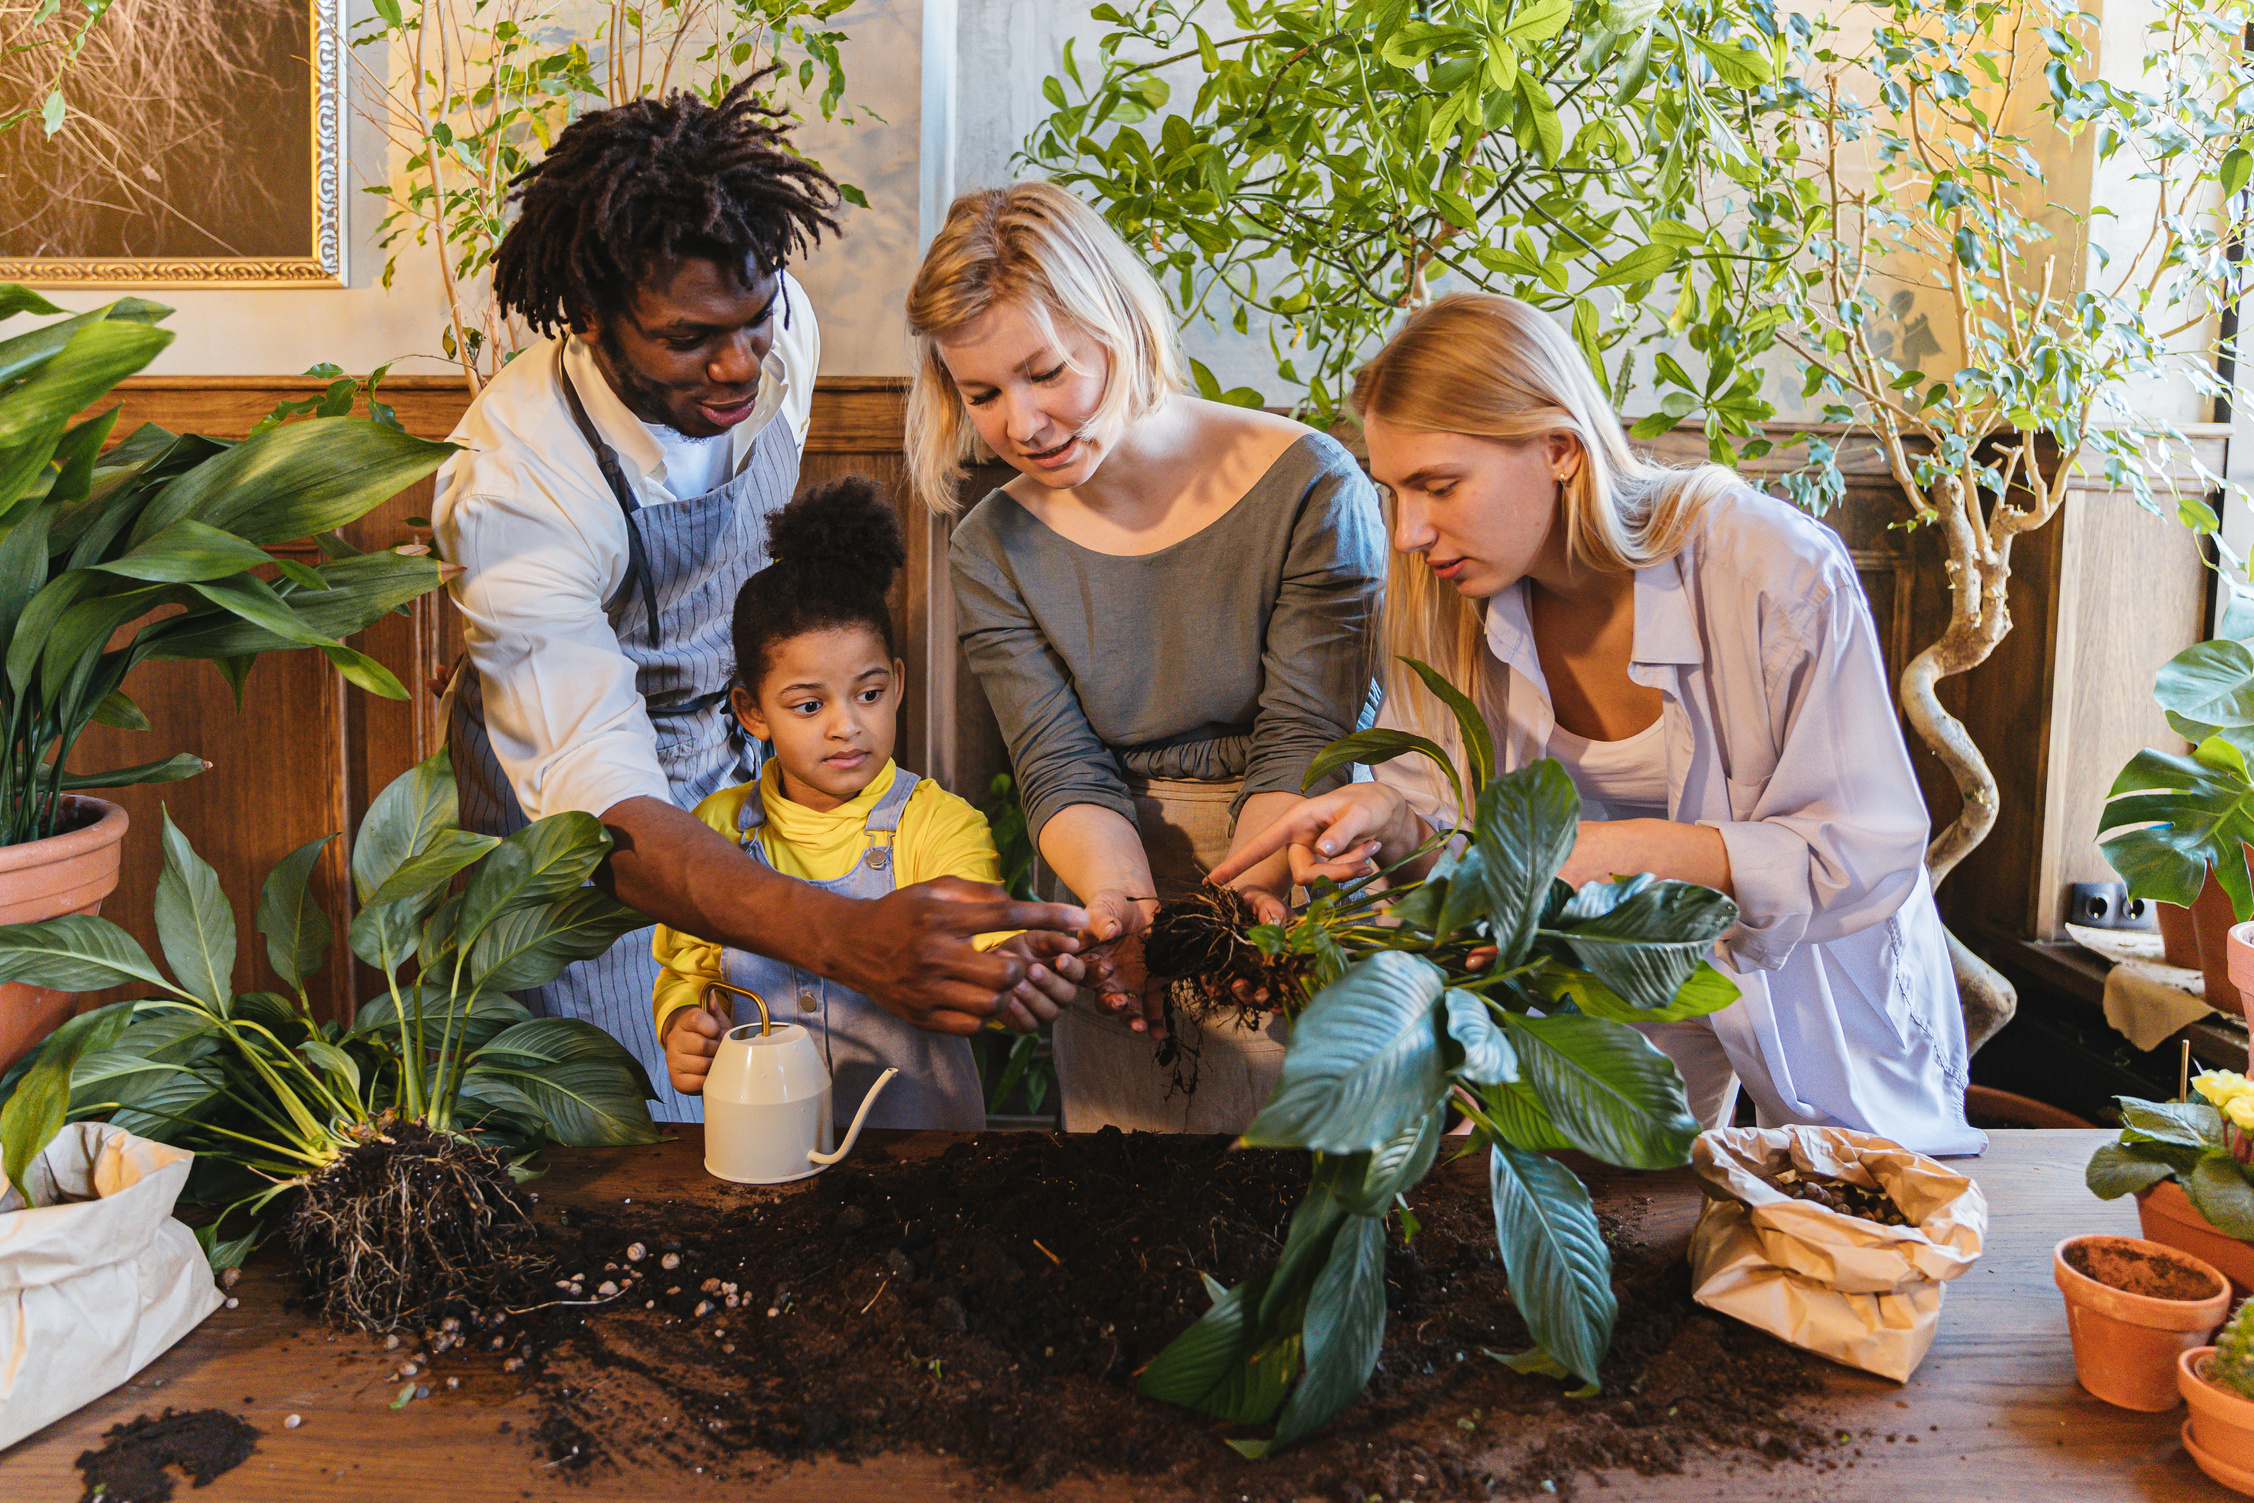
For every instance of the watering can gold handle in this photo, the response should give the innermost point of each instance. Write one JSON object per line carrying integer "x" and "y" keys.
{"x": 712, "y": 988}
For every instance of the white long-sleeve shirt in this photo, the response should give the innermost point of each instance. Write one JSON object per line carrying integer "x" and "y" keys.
{"x": 542, "y": 544}
{"x": 1780, "y": 734}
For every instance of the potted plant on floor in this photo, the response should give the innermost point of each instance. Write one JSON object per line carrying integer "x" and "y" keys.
{"x": 2187, "y": 1162}
{"x": 153, "y": 549}
{"x": 1535, "y": 1048}
{"x": 388, "y": 1149}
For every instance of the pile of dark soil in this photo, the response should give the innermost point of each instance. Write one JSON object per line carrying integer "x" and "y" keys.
{"x": 131, "y": 1468}
{"x": 2119, "y": 1266}
{"x": 995, "y": 1301}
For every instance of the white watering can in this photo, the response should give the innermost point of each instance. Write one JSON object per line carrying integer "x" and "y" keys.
{"x": 767, "y": 1101}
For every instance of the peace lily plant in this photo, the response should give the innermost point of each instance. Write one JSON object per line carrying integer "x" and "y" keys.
{"x": 387, "y": 1145}
{"x": 1535, "y": 1048}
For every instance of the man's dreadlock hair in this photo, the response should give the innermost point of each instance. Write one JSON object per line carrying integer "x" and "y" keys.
{"x": 628, "y": 188}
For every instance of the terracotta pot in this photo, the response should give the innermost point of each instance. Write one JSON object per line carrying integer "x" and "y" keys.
{"x": 43, "y": 879}
{"x": 2179, "y": 940}
{"x": 2166, "y": 1215}
{"x": 2125, "y": 1341}
{"x": 2220, "y": 1433}
{"x": 2211, "y": 920}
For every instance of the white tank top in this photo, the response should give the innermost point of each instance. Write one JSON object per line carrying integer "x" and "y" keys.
{"x": 1628, "y": 777}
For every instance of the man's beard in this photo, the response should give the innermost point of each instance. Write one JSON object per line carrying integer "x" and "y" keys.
{"x": 647, "y": 399}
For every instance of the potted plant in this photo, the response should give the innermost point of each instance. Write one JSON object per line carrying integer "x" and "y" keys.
{"x": 2187, "y": 1162}
{"x": 1535, "y": 1048}
{"x": 387, "y": 1149}
{"x": 154, "y": 549}
{"x": 2183, "y": 822}
{"x": 2217, "y": 1382}
{"x": 2132, "y": 1309}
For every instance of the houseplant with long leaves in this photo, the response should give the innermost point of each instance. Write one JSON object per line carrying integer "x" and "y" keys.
{"x": 386, "y": 1147}
{"x": 1535, "y": 1048}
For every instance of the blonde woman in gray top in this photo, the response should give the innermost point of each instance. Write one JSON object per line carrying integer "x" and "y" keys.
{"x": 1170, "y": 608}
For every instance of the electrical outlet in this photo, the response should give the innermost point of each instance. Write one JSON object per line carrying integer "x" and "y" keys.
{"x": 2106, "y": 905}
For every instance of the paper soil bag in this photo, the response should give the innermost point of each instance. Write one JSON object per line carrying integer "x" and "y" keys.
{"x": 1845, "y": 1288}
{"x": 93, "y": 1289}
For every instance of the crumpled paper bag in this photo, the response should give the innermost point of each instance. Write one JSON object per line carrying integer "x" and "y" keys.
{"x": 1845, "y": 1288}
{"x": 93, "y": 1290}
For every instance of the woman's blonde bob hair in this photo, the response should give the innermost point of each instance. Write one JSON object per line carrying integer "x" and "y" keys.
{"x": 1035, "y": 245}
{"x": 1495, "y": 368}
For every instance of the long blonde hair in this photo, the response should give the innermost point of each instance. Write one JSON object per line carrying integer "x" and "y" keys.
{"x": 1035, "y": 245}
{"x": 1497, "y": 368}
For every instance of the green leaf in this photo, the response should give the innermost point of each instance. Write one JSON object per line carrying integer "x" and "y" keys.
{"x": 91, "y": 361}
{"x": 1643, "y": 264}
{"x": 531, "y": 946}
{"x": 1522, "y": 1119}
{"x": 2206, "y": 688}
{"x": 335, "y": 1063}
{"x": 1206, "y": 1367}
{"x": 547, "y": 859}
{"x": 433, "y": 866}
{"x": 361, "y": 588}
{"x": 195, "y": 922}
{"x": 1740, "y": 68}
{"x": 1488, "y": 1056}
{"x": 40, "y": 1104}
{"x": 295, "y": 480}
{"x": 1538, "y": 20}
{"x": 2115, "y": 1170}
{"x": 1555, "y": 1257}
{"x": 1642, "y": 938}
{"x": 1608, "y": 1090}
{"x": 2189, "y": 1124}
{"x": 2189, "y": 814}
{"x": 165, "y": 770}
{"x": 1365, "y": 1060}
{"x": 120, "y": 713}
{"x": 16, "y": 298}
{"x": 386, "y": 934}
{"x": 1368, "y": 1182}
{"x": 402, "y": 819}
{"x": 1372, "y": 747}
{"x": 186, "y": 552}
{"x": 75, "y": 953}
{"x": 1707, "y": 990}
{"x": 2218, "y": 1190}
{"x": 1342, "y": 1331}
{"x": 1525, "y": 828}
{"x": 584, "y": 1083}
{"x": 1479, "y": 745}
{"x": 297, "y": 930}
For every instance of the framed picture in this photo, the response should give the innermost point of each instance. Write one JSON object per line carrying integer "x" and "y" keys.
{"x": 204, "y": 145}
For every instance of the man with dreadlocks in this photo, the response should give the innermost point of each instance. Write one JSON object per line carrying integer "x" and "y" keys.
{"x": 610, "y": 500}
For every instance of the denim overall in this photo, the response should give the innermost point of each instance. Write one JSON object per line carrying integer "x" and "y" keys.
{"x": 938, "y": 1082}
{"x": 686, "y": 561}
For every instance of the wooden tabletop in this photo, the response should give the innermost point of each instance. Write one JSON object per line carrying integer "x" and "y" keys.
{"x": 1995, "y": 1409}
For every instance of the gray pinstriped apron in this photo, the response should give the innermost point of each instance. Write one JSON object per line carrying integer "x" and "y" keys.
{"x": 685, "y": 562}
{"x": 938, "y": 1082}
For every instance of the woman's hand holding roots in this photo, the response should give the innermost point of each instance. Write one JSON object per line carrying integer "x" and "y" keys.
{"x": 1114, "y": 947}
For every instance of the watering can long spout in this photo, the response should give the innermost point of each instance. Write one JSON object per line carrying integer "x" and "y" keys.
{"x": 859, "y": 1117}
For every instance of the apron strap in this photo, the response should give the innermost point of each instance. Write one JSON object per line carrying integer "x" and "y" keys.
{"x": 884, "y": 820}
{"x": 637, "y": 558}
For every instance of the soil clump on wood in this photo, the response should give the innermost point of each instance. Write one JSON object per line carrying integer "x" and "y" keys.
{"x": 134, "y": 1466}
{"x": 993, "y": 1303}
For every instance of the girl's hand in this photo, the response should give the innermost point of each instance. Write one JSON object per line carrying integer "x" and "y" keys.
{"x": 692, "y": 1037}
{"x": 1342, "y": 835}
{"x": 1116, "y": 921}
{"x": 1052, "y": 974}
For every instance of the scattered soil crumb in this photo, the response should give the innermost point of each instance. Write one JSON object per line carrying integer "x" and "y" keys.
{"x": 993, "y": 1302}
{"x": 131, "y": 1468}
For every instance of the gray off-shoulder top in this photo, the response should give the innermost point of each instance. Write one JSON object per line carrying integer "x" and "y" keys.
{"x": 1240, "y": 651}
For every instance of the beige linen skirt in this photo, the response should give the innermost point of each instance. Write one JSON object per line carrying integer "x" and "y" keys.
{"x": 1108, "y": 1075}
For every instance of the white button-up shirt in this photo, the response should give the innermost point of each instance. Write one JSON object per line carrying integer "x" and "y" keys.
{"x": 1781, "y": 735}
{"x": 542, "y": 543}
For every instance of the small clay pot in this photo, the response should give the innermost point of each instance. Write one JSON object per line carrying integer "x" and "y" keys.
{"x": 2145, "y": 1306}
{"x": 2220, "y": 1433}
{"x": 2166, "y": 1215}
{"x": 2179, "y": 941}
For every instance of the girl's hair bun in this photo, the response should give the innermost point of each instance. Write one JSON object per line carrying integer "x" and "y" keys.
{"x": 842, "y": 527}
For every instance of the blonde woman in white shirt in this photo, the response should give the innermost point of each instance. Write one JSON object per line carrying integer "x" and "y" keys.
{"x": 1701, "y": 659}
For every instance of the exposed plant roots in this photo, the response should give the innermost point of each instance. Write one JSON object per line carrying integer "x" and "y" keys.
{"x": 1197, "y": 945}
{"x": 409, "y": 1224}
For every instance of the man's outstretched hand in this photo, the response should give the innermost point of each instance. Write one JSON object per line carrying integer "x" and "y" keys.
{"x": 910, "y": 951}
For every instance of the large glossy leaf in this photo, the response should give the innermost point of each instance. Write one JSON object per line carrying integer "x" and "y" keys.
{"x": 2218, "y": 1190}
{"x": 165, "y": 770}
{"x": 2191, "y": 813}
{"x": 1608, "y": 1090}
{"x": 531, "y": 946}
{"x": 361, "y": 588}
{"x": 402, "y": 819}
{"x": 477, "y": 1017}
{"x": 387, "y": 934}
{"x": 545, "y": 860}
{"x": 297, "y": 930}
{"x": 1365, "y": 1060}
{"x": 431, "y": 867}
{"x": 2115, "y": 1171}
{"x": 2208, "y": 687}
{"x": 95, "y": 358}
{"x": 75, "y": 953}
{"x": 296, "y": 480}
{"x": 1641, "y": 938}
{"x": 1555, "y": 1256}
{"x": 2189, "y": 1124}
{"x": 1367, "y": 1182}
{"x": 195, "y": 922}
{"x": 584, "y": 1083}
{"x": 1209, "y": 1367}
{"x": 1487, "y": 1054}
{"x": 1707, "y": 990}
{"x": 1343, "y": 1328}
{"x": 1518, "y": 1114}
{"x": 40, "y": 1104}
{"x": 1381, "y": 744}
{"x": 1479, "y": 746}
{"x": 188, "y": 551}
{"x": 1525, "y": 828}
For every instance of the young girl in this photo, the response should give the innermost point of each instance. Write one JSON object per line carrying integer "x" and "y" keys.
{"x": 819, "y": 678}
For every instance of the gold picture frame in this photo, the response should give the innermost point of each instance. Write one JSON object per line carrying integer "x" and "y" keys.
{"x": 323, "y": 261}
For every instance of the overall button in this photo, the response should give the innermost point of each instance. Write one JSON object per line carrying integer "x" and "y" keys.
{"x": 808, "y": 1002}
{"x": 877, "y": 859}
